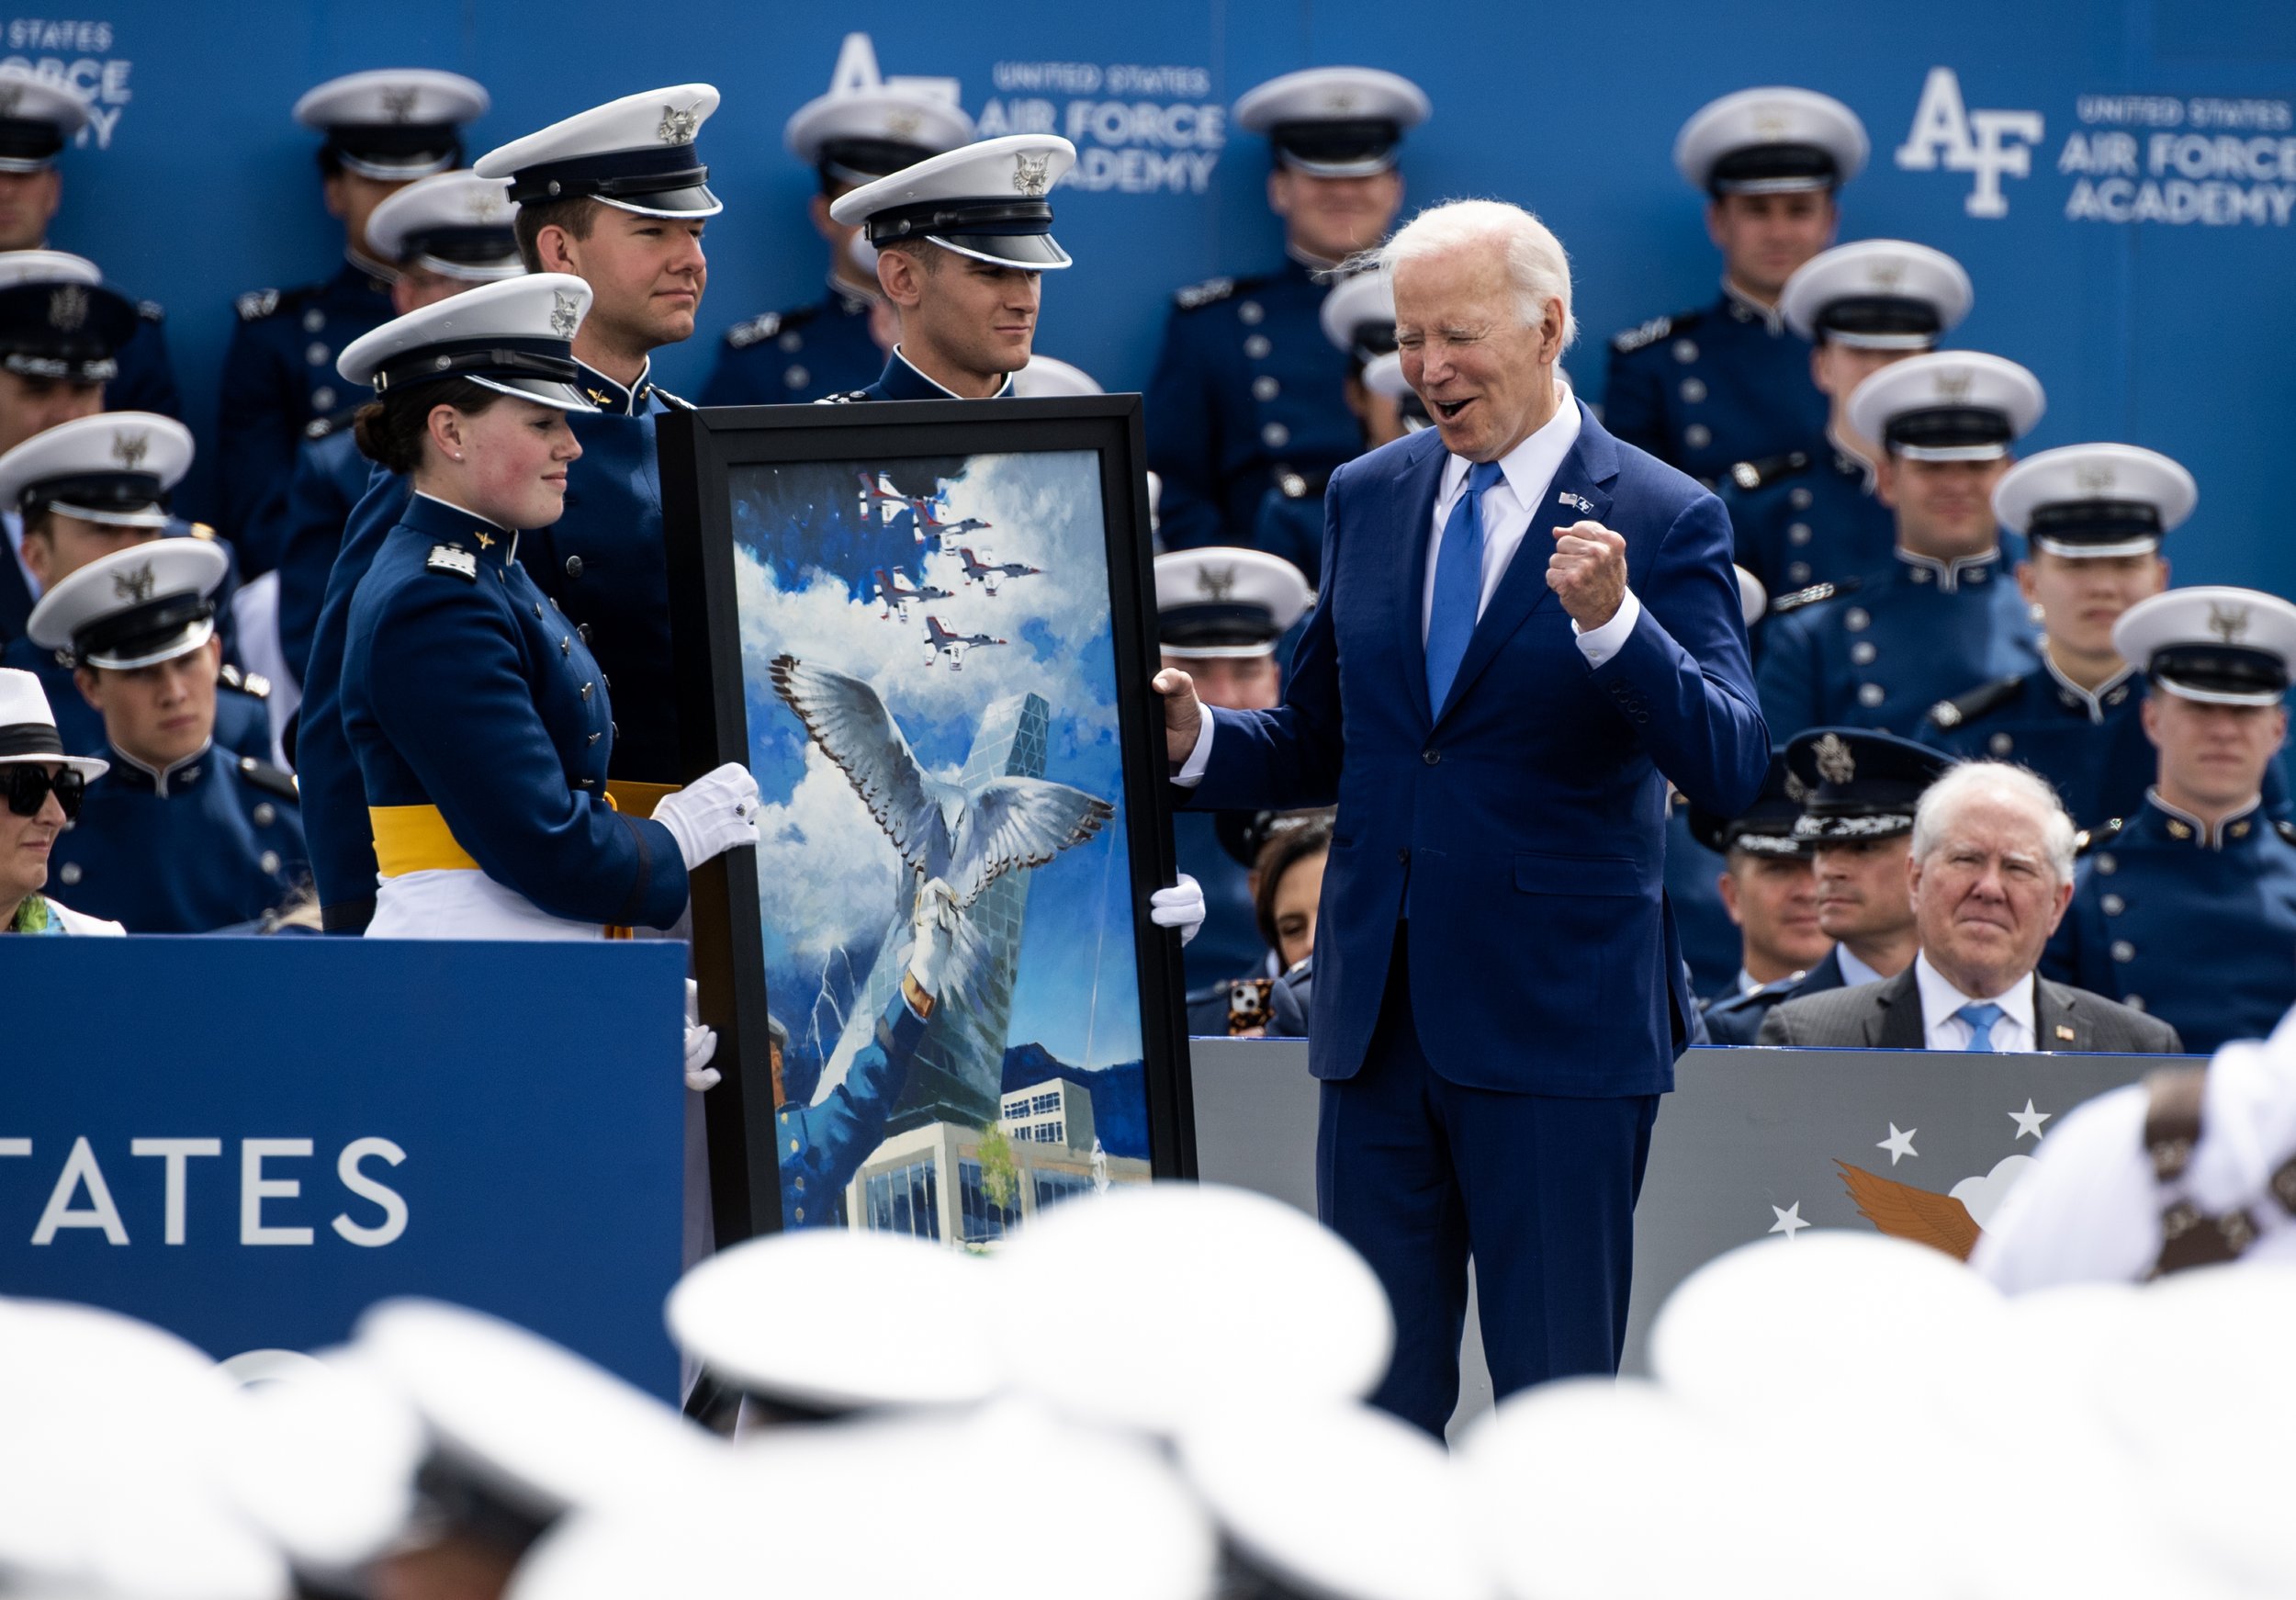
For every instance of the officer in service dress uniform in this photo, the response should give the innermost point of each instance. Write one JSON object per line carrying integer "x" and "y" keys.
{"x": 2186, "y": 908}
{"x": 483, "y": 726}
{"x": 179, "y": 836}
{"x": 80, "y": 491}
{"x": 38, "y": 118}
{"x": 2092, "y": 516}
{"x": 1247, "y": 400}
{"x": 1879, "y": 648}
{"x": 1766, "y": 884}
{"x": 384, "y": 129}
{"x": 1810, "y": 516}
{"x": 862, "y": 130}
{"x": 445, "y": 234}
{"x": 1731, "y": 382}
{"x": 43, "y": 788}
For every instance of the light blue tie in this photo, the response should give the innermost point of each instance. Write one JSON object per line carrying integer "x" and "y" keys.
{"x": 1459, "y": 585}
{"x": 1981, "y": 1016}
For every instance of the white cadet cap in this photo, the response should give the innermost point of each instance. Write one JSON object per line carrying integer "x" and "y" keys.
{"x": 394, "y": 123}
{"x": 1753, "y": 599}
{"x": 986, "y": 200}
{"x": 1949, "y": 405}
{"x": 1230, "y": 1299}
{"x": 36, "y": 115}
{"x": 1878, "y": 294}
{"x": 133, "y": 607}
{"x": 28, "y": 726}
{"x": 1358, "y": 314}
{"x": 1771, "y": 141}
{"x": 2095, "y": 500}
{"x": 867, "y": 127}
{"x": 516, "y": 337}
{"x": 636, "y": 153}
{"x": 2213, "y": 643}
{"x": 114, "y": 467}
{"x": 323, "y": 1461}
{"x": 1046, "y": 378}
{"x": 458, "y": 224}
{"x": 731, "y": 1313}
{"x": 1224, "y": 601}
{"x": 529, "y": 1427}
{"x": 1335, "y": 122}
{"x": 1286, "y": 1483}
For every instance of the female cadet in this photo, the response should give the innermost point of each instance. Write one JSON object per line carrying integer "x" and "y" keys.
{"x": 480, "y": 721}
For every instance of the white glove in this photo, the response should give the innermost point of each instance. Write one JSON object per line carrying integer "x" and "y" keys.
{"x": 1180, "y": 907}
{"x": 716, "y": 813}
{"x": 701, "y": 1043}
{"x": 934, "y": 923}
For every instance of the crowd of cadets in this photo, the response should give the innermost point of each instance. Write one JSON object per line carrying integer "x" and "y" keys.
{"x": 1905, "y": 575}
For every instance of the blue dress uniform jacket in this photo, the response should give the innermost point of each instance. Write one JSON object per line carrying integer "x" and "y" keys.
{"x": 1736, "y": 1019}
{"x": 821, "y": 1146}
{"x": 1522, "y": 823}
{"x": 146, "y": 379}
{"x": 2196, "y": 928}
{"x": 783, "y": 357}
{"x": 213, "y": 842}
{"x": 279, "y": 377}
{"x": 900, "y": 381}
{"x": 1887, "y": 645}
{"x": 1247, "y": 394}
{"x": 1709, "y": 389}
{"x": 465, "y": 688}
{"x": 1806, "y": 517}
{"x": 329, "y": 477}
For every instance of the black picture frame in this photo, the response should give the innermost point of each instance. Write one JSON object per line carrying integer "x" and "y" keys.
{"x": 700, "y": 452}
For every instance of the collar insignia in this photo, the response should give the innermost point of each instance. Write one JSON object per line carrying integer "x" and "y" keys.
{"x": 485, "y": 540}
{"x": 1581, "y": 500}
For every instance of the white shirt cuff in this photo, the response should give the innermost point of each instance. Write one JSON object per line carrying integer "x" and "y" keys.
{"x": 1606, "y": 641}
{"x": 1191, "y": 771}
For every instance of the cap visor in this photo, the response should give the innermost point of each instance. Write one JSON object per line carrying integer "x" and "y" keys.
{"x": 472, "y": 272}
{"x": 1035, "y": 251}
{"x": 1952, "y": 452}
{"x": 394, "y": 172}
{"x": 1793, "y": 185}
{"x": 1218, "y": 652}
{"x": 1913, "y": 342}
{"x": 2219, "y": 696}
{"x": 696, "y": 200}
{"x": 25, "y": 164}
{"x": 183, "y": 644}
{"x": 149, "y": 517}
{"x": 1369, "y": 167}
{"x": 1827, "y": 830}
{"x": 2147, "y": 545}
{"x": 564, "y": 397}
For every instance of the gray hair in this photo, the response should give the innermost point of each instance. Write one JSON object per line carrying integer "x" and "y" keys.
{"x": 2021, "y": 786}
{"x": 1534, "y": 257}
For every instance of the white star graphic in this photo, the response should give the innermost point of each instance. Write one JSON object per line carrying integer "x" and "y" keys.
{"x": 1789, "y": 1220}
{"x": 2028, "y": 1121}
{"x": 1899, "y": 1143}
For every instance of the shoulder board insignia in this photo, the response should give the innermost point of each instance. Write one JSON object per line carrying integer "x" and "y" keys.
{"x": 264, "y": 775}
{"x": 252, "y": 683}
{"x": 1651, "y": 331}
{"x": 1752, "y": 475}
{"x": 455, "y": 559}
{"x": 202, "y": 531}
{"x": 1812, "y": 596}
{"x": 152, "y": 310}
{"x": 741, "y": 335}
{"x": 2286, "y": 830}
{"x": 318, "y": 427}
{"x": 2088, "y": 839}
{"x": 1210, "y": 292}
{"x": 256, "y": 304}
{"x": 1977, "y": 702}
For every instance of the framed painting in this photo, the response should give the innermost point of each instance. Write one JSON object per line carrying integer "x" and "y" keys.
{"x": 928, "y": 629}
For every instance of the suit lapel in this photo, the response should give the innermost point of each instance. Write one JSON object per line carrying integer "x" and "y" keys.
{"x": 2054, "y": 1010}
{"x": 1585, "y": 475}
{"x": 1900, "y": 1024}
{"x": 1415, "y": 490}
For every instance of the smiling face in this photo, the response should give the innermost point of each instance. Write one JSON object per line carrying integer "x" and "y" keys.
{"x": 1944, "y": 508}
{"x": 2212, "y": 758}
{"x": 161, "y": 713}
{"x": 1763, "y": 238}
{"x": 1331, "y": 219}
{"x": 507, "y": 463}
{"x": 1987, "y": 897}
{"x": 646, "y": 275}
{"x": 1488, "y": 377}
{"x": 25, "y": 842}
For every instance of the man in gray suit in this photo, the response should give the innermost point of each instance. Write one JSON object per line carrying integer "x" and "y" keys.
{"x": 1991, "y": 871}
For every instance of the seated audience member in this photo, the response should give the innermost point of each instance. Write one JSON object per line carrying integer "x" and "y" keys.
{"x": 1288, "y": 885}
{"x": 1858, "y": 792}
{"x": 2187, "y": 910}
{"x": 1990, "y": 874}
{"x": 43, "y": 787}
{"x": 1767, "y": 886}
{"x": 178, "y": 836}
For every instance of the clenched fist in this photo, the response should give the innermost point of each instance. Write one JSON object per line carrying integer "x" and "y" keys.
{"x": 1588, "y": 573}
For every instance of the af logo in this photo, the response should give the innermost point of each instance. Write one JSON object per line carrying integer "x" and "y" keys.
{"x": 1954, "y": 383}
{"x": 2229, "y": 623}
{"x": 565, "y": 314}
{"x": 1885, "y": 275}
{"x": 399, "y": 104}
{"x": 903, "y": 121}
{"x": 1969, "y": 141}
{"x": 1215, "y": 582}
{"x": 1837, "y": 763}
{"x": 488, "y": 203}
{"x": 67, "y": 309}
{"x": 677, "y": 127}
{"x": 136, "y": 585}
{"x": 128, "y": 449}
{"x": 1031, "y": 174}
{"x": 11, "y": 96}
{"x": 2095, "y": 478}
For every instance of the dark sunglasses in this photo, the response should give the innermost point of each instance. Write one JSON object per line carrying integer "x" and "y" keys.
{"x": 29, "y": 786}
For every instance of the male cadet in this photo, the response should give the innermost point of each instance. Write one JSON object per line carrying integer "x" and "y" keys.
{"x": 2092, "y": 516}
{"x": 1246, "y": 408}
{"x": 964, "y": 241}
{"x": 80, "y": 491}
{"x": 616, "y": 196}
{"x": 862, "y": 130}
{"x": 1859, "y": 790}
{"x": 38, "y": 118}
{"x": 1220, "y": 614}
{"x": 384, "y": 129}
{"x": 1767, "y": 885}
{"x": 178, "y": 836}
{"x": 447, "y": 233}
{"x": 1879, "y": 648}
{"x": 2188, "y": 909}
{"x": 1809, "y": 516}
{"x": 1708, "y": 388}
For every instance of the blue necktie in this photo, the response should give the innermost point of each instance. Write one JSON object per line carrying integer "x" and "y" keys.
{"x": 1459, "y": 585}
{"x": 1981, "y": 1017}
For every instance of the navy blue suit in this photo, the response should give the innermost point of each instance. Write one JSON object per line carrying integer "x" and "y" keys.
{"x": 1711, "y": 942}
{"x": 1709, "y": 389}
{"x": 1818, "y": 522}
{"x": 1500, "y": 992}
{"x": 329, "y": 477}
{"x": 803, "y": 354}
{"x": 211, "y": 843}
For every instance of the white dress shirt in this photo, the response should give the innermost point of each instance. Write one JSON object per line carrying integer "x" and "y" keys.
{"x": 1508, "y": 510}
{"x": 1940, "y": 1030}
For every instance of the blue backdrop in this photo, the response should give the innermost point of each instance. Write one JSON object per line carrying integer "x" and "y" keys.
{"x": 2118, "y": 175}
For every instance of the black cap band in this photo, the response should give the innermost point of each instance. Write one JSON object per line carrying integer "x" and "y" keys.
{"x": 2096, "y": 522}
{"x": 1947, "y": 428}
{"x": 468, "y": 246}
{"x": 988, "y": 218}
{"x": 99, "y": 490}
{"x": 400, "y": 143}
{"x": 67, "y": 326}
{"x": 1216, "y": 624}
{"x": 1880, "y": 314}
{"x": 1337, "y": 143}
{"x": 551, "y": 360}
{"x": 141, "y": 629}
{"x": 861, "y": 161}
{"x": 31, "y": 738}
{"x": 1759, "y": 166}
{"x": 2218, "y": 669}
{"x": 621, "y": 175}
{"x": 27, "y": 141}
